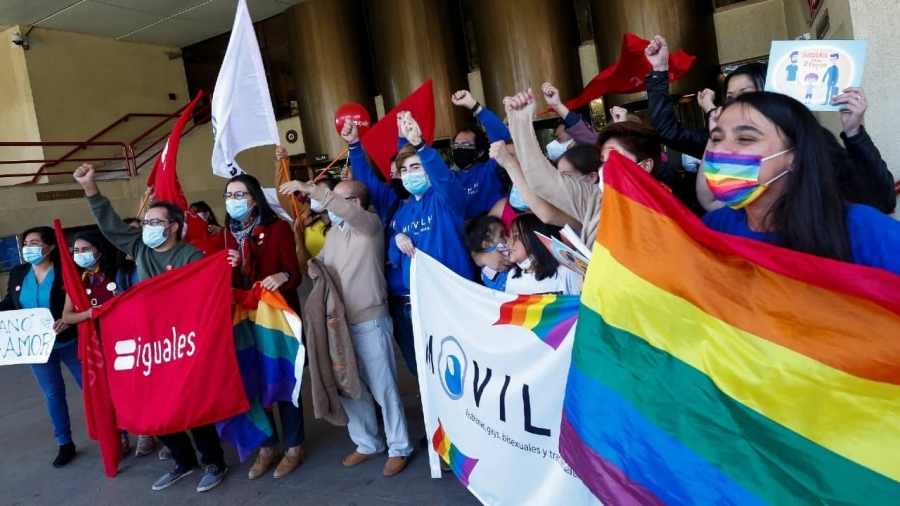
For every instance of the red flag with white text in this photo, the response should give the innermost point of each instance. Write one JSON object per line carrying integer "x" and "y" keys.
{"x": 627, "y": 74}
{"x": 380, "y": 142}
{"x": 170, "y": 344}
{"x": 99, "y": 414}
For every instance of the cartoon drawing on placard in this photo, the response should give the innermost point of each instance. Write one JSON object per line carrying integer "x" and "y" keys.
{"x": 815, "y": 71}
{"x": 811, "y": 80}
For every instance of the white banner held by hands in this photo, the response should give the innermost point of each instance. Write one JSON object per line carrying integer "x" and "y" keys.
{"x": 492, "y": 373}
{"x": 26, "y": 336}
{"x": 242, "y": 115}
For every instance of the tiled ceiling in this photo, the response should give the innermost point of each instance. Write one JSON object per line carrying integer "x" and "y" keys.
{"x": 173, "y": 23}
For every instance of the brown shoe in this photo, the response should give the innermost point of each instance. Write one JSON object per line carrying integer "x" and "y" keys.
{"x": 356, "y": 458}
{"x": 288, "y": 464}
{"x": 394, "y": 465}
{"x": 262, "y": 465}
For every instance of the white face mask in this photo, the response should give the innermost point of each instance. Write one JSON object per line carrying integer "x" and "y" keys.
{"x": 600, "y": 178}
{"x": 526, "y": 264}
{"x": 556, "y": 149}
{"x": 316, "y": 206}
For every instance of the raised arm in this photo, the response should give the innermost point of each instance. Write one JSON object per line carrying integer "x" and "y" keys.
{"x": 574, "y": 198}
{"x": 495, "y": 129}
{"x": 121, "y": 235}
{"x": 662, "y": 113}
{"x": 383, "y": 197}
{"x": 547, "y": 212}
{"x": 871, "y": 183}
{"x": 446, "y": 185}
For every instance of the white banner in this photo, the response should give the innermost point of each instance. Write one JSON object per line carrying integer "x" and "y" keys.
{"x": 26, "y": 336}
{"x": 242, "y": 115}
{"x": 492, "y": 371}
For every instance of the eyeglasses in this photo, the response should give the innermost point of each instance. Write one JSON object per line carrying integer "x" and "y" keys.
{"x": 236, "y": 195}
{"x": 155, "y": 222}
{"x": 462, "y": 145}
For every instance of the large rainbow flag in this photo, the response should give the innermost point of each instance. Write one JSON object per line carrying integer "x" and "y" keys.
{"x": 711, "y": 369}
{"x": 271, "y": 356}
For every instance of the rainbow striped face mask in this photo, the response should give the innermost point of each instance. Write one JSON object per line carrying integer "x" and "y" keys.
{"x": 734, "y": 179}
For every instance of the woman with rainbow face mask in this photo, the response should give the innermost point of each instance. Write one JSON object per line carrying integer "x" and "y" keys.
{"x": 775, "y": 168}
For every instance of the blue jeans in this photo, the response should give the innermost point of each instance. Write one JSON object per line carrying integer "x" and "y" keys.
{"x": 50, "y": 379}
{"x": 401, "y": 313}
{"x": 292, "y": 427}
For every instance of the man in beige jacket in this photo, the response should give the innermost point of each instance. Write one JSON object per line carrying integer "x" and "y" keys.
{"x": 354, "y": 256}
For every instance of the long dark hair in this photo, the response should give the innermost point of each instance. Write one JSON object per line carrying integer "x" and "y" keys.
{"x": 756, "y": 71}
{"x": 810, "y": 215}
{"x": 204, "y": 208}
{"x": 108, "y": 263}
{"x": 525, "y": 226}
{"x": 266, "y": 214}
{"x": 48, "y": 237}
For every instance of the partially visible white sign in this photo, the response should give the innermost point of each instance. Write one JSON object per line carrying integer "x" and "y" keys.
{"x": 26, "y": 336}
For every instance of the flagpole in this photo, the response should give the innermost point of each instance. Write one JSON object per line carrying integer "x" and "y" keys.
{"x": 287, "y": 177}
{"x": 144, "y": 202}
{"x": 330, "y": 165}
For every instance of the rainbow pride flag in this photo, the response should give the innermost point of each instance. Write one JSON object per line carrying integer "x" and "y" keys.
{"x": 550, "y": 317}
{"x": 271, "y": 356}
{"x": 461, "y": 465}
{"x": 711, "y": 369}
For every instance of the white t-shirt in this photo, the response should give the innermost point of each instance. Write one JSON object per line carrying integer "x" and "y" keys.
{"x": 565, "y": 282}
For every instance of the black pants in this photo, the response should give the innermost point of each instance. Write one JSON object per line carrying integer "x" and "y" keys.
{"x": 207, "y": 440}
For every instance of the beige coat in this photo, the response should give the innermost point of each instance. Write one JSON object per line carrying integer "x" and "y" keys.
{"x": 332, "y": 360}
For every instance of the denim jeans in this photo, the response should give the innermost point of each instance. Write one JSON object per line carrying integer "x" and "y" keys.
{"x": 49, "y": 377}
{"x": 401, "y": 314}
{"x": 292, "y": 427}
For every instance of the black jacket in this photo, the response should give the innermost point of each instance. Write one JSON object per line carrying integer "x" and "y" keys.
{"x": 57, "y": 298}
{"x": 867, "y": 181}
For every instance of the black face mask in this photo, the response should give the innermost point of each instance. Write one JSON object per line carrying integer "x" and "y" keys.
{"x": 399, "y": 189}
{"x": 465, "y": 158}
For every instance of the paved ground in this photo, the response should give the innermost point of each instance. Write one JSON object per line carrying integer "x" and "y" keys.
{"x": 28, "y": 478}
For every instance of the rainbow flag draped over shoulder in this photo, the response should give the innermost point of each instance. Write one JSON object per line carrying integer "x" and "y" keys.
{"x": 711, "y": 369}
{"x": 267, "y": 339}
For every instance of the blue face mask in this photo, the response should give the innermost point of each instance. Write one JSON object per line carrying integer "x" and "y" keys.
{"x": 153, "y": 237}
{"x": 33, "y": 254}
{"x": 237, "y": 209}
{"x": 416, "y": 183}
{"x": 516, "y": 200}
{"x": 85, "y": 260}
{"x": 335, "y": 219}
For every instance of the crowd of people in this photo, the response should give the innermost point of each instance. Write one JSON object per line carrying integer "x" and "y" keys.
{"x": 767, "y": 171}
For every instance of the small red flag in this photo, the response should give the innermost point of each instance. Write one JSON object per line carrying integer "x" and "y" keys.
{"x": 627, "y": 74}
{"x": 174, "y": 366}
{"x": 380, "y": 142}
{"x": 98, "y": 408}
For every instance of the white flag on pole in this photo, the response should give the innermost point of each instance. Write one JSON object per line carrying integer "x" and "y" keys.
{"x": 242, "y": 115}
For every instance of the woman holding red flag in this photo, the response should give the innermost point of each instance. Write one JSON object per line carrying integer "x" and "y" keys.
{"x": 39, "y": 284}
{"x": 261, "y": 249}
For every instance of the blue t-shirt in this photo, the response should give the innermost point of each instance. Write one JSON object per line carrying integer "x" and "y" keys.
{"x": 874, "y": 236}
{"x": 34, "y": 295}
{"x": 483, "y": 187}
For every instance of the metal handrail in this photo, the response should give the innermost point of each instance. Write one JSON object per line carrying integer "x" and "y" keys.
{"x": 131, "y": 166}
